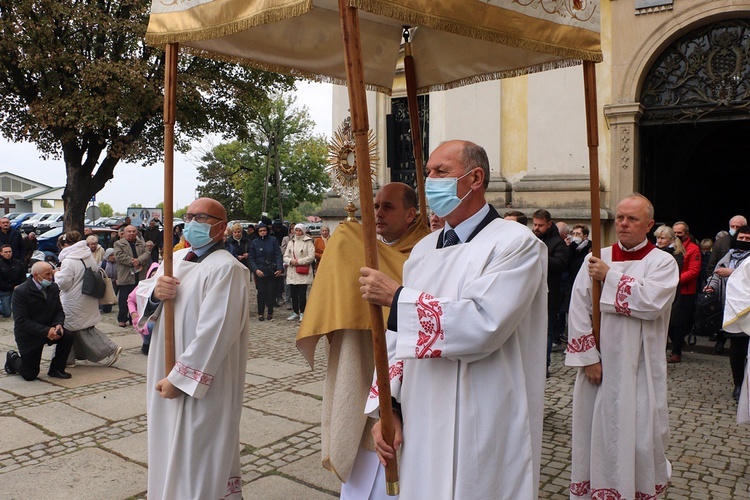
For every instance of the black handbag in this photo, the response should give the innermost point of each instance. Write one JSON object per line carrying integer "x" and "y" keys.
{"x": 93, "y": 282}
{"x": 709, "y": 311}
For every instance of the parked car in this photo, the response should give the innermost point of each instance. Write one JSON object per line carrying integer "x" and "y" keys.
{"x": 314, "y": 228}
{"x": 16, "y": 222}
{"x": 48, "y": 241}
{"x": 54, "y": 220}
{"x": 30, "y": 224}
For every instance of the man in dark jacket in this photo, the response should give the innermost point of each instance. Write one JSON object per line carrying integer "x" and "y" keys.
{"x": 557, "y": 264}
{"x": 722, "y": 245}
{"x": 38, "y": 321}
{"x": 12, "y": 274}
{"x": 266, "y": 265}
{"x": 9, "y": 236}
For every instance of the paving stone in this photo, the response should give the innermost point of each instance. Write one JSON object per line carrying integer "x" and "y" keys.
{"x": 17, "y": 434}
{"x": 280, "y": 488}
{"x": 61, "y": 419}
{"x": 15, "y": 384}
{"x": 293, "y": 406}
{"x": 117, "y": 404}
{"x": 133, "y": 447}
{"x": 274, "y": 369}
{"x": 85, "y": 475}
{"x": 258, "y": 429}
{"x": 309, "y": 470}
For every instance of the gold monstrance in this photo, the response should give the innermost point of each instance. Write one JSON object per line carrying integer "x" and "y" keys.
{"x": 342, "y": 164}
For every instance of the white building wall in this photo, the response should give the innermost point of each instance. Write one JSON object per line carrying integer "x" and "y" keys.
{"x": 557, "y": 123}
{"x": 471, "y": 113}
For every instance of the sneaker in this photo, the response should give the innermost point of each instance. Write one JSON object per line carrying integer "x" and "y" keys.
{"x": 301, "y": 315}
{"x": 9, "y": 362}
{"x": 261, "y": 318}
{"x": 110, "y": 360}
{"x": 269, "y": 317}
{"x": 70, "y": 365}
{"x": 293, "y": 317}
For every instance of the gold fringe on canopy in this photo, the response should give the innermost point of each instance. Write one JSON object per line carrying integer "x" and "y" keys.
{"x": 219, "y": 18}
{"x": 505, "y": 26}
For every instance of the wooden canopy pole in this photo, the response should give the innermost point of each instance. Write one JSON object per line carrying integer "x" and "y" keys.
{"x": 592, "y": 138}
{"x": 416, "y": 131}
{"x": 360, "y": 127}
{"x": 170, "y": 105}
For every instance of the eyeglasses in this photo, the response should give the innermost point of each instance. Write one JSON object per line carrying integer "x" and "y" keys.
{"x": 200, "y": 217}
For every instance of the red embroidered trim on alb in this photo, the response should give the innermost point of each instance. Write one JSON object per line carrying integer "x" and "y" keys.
{"x": 429, "y": 314}
{"x": 396, "y": 370}
{"x": 582, "y": 344}
{"x": 234, "y": 485}
{"x": 584, "y": 487}
{"x": 624, "y": 291}
{"x": 197, "y": 375}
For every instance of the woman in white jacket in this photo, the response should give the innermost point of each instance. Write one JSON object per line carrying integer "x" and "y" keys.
{"x": 82, "y": 311}
{"x": 300, "y": 251}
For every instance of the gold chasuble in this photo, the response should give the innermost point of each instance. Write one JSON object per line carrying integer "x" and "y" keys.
{"x": 335, "y": 308}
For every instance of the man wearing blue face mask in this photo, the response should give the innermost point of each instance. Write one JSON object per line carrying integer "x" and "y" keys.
{"x": 194, "y": 412}
{"x": 38, "y": 319}
{"x": 466, "y": 343}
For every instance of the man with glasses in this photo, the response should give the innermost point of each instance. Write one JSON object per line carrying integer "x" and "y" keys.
{"x": 194, "y": 412}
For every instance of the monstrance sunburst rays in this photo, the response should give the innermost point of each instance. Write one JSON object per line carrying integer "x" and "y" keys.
{"x": 342, "y": 164}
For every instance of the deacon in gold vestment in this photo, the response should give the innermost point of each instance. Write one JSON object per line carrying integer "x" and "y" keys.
{"x": 336, "y": 309}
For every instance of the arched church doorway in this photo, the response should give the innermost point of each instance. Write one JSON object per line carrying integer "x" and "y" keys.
{"x": 695, "y": 131}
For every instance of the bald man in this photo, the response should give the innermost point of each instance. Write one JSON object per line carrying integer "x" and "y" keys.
{"x": 194, "y": 412}
{"x": 38, "y": 319}
{"x": 620, "y": 416}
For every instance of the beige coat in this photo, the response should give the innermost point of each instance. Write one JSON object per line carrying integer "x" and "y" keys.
{"x": 124, "y": 257}
{"x": 305, "y": 255}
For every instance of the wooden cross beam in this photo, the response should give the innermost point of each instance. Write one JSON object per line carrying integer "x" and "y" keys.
{"x": 7, "y": 205}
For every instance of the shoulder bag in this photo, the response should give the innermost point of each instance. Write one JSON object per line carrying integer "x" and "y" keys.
{"x": 93, "y": 282}
{"x": 300, "y": 269}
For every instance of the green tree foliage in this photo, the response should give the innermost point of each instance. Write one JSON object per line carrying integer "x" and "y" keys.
{"x": 106, "y": 209}
{"x": 238, "y": 173}
{"x": 77, "y": 79}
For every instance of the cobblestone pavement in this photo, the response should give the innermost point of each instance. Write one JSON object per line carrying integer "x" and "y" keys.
{"x": 85, "y": 437}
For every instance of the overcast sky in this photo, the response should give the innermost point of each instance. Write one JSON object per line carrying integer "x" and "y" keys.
{"x": 136, "y": 184}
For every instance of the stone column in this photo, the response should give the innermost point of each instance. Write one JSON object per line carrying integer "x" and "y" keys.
{"x": 624, "y": 161}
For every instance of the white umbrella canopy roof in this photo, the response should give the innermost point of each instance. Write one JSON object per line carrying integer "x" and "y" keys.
{"x": 454, "y": 42}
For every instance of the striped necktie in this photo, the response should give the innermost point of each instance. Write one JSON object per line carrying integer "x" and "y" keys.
{"x": 450, "y": 238}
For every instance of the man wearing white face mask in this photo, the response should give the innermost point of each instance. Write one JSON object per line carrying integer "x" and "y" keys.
{"x": 466, "y": 343}
{"x": 194, "y": 412}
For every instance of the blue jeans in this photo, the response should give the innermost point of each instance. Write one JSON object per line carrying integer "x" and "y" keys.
{"x": 5, "y": 298}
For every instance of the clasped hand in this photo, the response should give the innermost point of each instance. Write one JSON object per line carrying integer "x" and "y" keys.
{"x": 166, "y": 287}
{"x": 377, "y": 288}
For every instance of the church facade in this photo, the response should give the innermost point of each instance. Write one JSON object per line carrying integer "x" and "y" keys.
{"x": 673, "y": 112}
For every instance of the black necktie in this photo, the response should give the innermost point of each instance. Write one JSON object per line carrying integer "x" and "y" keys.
{"x": 450, "y": 238}
{"x": 191, "y": 256}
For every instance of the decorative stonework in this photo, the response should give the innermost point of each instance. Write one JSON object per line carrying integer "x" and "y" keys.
{"x": 625, "y": 147}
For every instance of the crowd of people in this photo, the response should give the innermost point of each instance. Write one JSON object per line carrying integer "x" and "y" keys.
{"x": 466, "y": 344}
